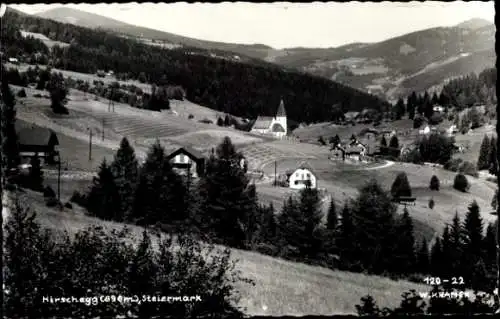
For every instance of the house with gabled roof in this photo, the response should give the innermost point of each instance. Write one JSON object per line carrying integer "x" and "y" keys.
{"x": 188, "y": 161}
{"x": 37, "y": 141}
{"x": 269, "y": 125}
{"x": 302, "y": 176}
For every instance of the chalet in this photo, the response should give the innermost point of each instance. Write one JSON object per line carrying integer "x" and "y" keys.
{"x": 188, "y": 161}
{"x": 355, "y": 151}
{"x": 301, "y": 177}
{"x": 351, "y": 116}
{"x": 276, "y": 126}
{"x": 438, "y": 108}
{"x": 337, "y": 152}
{"x": 35, "y": 140}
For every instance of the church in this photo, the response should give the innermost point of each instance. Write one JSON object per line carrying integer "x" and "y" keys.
{"x": 276, "y": 126}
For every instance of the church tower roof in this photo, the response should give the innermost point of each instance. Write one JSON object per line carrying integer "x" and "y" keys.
{"x": 281, "y": 109}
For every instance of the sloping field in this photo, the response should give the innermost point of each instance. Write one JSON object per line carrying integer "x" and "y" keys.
{"x": 342, "y": 181}
{"x": 209, "y": 138}
{"x": 473, "y": 142}
{"x": 282, "y": 287}
{"x": 48, "y": 42}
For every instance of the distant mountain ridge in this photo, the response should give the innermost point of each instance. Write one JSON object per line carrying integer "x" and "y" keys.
{"x": 391, "y": 68}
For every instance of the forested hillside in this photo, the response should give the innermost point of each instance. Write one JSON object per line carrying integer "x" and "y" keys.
{"x": 242, "y": 89}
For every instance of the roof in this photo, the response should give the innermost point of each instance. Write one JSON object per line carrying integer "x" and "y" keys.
{"x": 305, "y": 165}
{"x": 189, "y": 151}
{"x": 355, "y": 149}
{"x": 262, "y": 122}
{"x": 36, "y": 135}
{"x": 281, "y": 109}
{"x": 277, "y": 127}
{"x": 351, "y": 114}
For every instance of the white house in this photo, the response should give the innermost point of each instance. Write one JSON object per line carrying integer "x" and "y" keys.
{"x": 425, "y": 131}
{"x": 276, "y": 126}
{"x": 452, "y": 130}
{"x": 13, "y": 61}
{"x": 300, "y": 177}
{"x": 438, "y": 108}
{"x": 187, "y": 160}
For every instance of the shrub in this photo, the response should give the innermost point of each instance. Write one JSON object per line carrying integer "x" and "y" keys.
{"x": 21, "y": 93}
{"x": 434, "y": 184}
{"x": 431, "y": 203}
{"x": 418, "y": 121}
{"x": 368, "y": 307}
{"x": 461, "y": 183}
{"x": 52, "y": 202}
{"x": 68, "y": 205}
{"x": 191, "y": 116}
{"x": 48, "y": 192}
{"x": 401, "y": 186}
{"x": 38, "y": 95}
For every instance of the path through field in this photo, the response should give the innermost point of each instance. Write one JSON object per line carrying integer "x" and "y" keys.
{"x": 382, "y": 166}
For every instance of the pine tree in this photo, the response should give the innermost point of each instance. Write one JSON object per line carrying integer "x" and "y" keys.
{"x": 434, "y": 184}
{"x": 473, "y": 242}
{"x": 423, "y": 259}
{"x": 373, "y": 214}
{"x": 456, "y": 245}
{"x": 10, "y": 149}
{"x": 383, "y": 146}
{"x": 494, "y": 200}
{"x": 35, "y": 176}
{"x": 125, "y": 170}
{"x": 394, "y": 146}
{"x": 58, "y": 93}
{"x": 310, "y": 208}
{"x": 332, "y": 219}
{"x": 436, "y": 258}
{"x": 224, "y": 194}
{"x": 345, "y": 235}
{"x": 483, "y": 161}
{"x": 493, "y": 163}
{"x": 103, "y": 199}
{"x": 400, "y": 109}
{"x": 489, "y": 247}
{"x": 405, "y": 246}
{"x": 401, "y": 186}
{"x": 411, "y": 105}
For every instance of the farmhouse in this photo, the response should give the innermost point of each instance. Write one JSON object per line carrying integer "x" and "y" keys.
{"x": 187, "y": 161}
{"x": 355, "y": 151}
{"x": 39, "y": 141}
{"x": 276, "y": 126}
{"x": 337, "y": 152}
{"x": 301, "y": 177}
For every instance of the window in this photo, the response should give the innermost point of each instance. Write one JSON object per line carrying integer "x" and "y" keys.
{"x": 308, "y": 176}
{"x": 181, "y": 158}
{"x": 296, "y": 183}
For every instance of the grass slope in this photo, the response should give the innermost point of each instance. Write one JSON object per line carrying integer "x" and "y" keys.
{"x": 282, "y": 287}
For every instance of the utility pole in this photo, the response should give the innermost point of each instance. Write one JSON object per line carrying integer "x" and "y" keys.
{"x": 275, "y": 173}
{"x": 90, "y": 144}
{"x": 59, "y": 179}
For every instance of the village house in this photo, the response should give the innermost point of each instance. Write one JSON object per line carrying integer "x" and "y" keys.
{"x": 187, "y": 161}
{"x": 269, "y": 125}
{"x": 438, "y": 108}
{"x": 355, "y": 151}
{"x": 301, "y": 177}
{"x": 37, "y": 141}
{"x": 351, "y": 116}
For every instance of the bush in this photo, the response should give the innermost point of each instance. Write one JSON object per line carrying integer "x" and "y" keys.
{"x": 100, "y": 262}
{"x": 79, "y": 199}
{"x": 431, "y": 203}
{"x": 461, "y": 183}
{"x": 21, "y": 93}
{"x": 68, "y": 205}
{"x": 434, "y": 184}
{"x": 191, "y": 116}
{"x": 368, "y": 307}
{"x": 401, "y": 186}
{"x": 38, "y": 95}
{"x": 418, "y": 121}
{"x": 48, "y": 192}
{"x": 52, "y": 202}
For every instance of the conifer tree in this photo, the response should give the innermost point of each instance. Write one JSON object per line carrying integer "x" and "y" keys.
{"x": 224, "y": 193}
{"x": 35, "y": 174}
{"x": 345, "y": 235}
{"x": 103, "y": 199}
{"x": 436, "y": 258}
{"x": 310, "y": 208}
{"x": 10, "y": 149}
{"x": 268, "y": 225}
{"x": 434, "y": 184}
{"x": 125, "y": 170}
{"x": 493, "y": 163}
{"x": 473, "y": 244}
{"x": 494, "y": 200}
{"x": 483, "y": 162}
{"x": 489, "y": 247}
{"x": 423, "y": 259}
{"x": 400, "y": 109}
{"x": 405, "y": 245}
{"x": 401, "y": 186}
{"x": 373, "y": 214}
{"x": 332, "y": 218}
{"x": 457, "y": 237}
{"x": 383, "y": 146}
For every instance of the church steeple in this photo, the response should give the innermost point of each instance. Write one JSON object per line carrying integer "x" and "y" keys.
{"x": 281, "y": 109}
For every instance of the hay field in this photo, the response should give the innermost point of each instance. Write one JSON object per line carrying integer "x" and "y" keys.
{"x": 281, "y": 287}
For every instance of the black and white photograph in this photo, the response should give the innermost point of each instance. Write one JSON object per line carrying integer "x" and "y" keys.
{"x": 239, "y": 159}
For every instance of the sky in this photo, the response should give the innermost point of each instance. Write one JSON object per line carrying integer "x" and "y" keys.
{"x": 285, "y": 25}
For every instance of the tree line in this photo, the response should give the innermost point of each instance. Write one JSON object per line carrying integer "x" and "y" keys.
{"x": 241, "y": 89}
{"x": 459, "y": 94}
